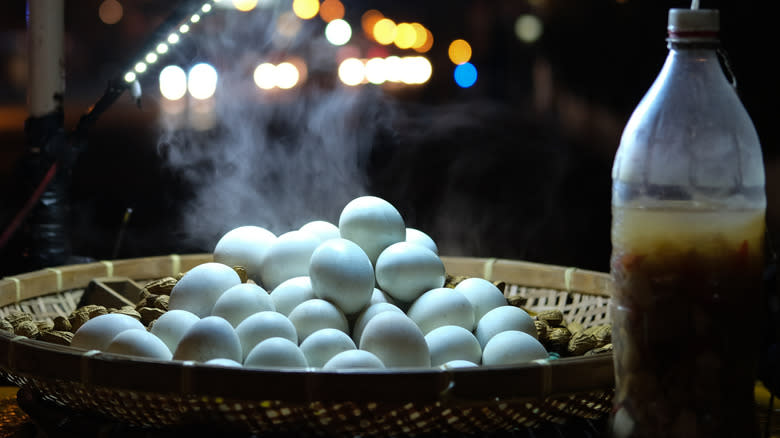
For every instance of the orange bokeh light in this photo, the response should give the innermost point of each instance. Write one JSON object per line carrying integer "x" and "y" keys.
{"x": 368, "y": 21}
{"x": 331, "y": 10}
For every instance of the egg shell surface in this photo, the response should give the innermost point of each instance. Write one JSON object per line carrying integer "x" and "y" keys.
{"x": 439, "y": 307}
{"x": 200, "y": 287}
{"x": 452, "y": 342}
{"x": 240, "y": 301}
{"x": 99, "y": 331}
{"x": 263, "y": 325}
{"x": 316, "y": 314}
{"x": 372, "y": 223}
{"x": 322, "y": 229}
{"x": 244, "y": 246}
{"x": 288, "y": 257}
{"x": 171, "y": 326}
{"x": 396, "y": 341}
{"x": 141, "y": 343}
{"x": 222, "y": 362}
{"x": 210, "y": 338}
{"x": 413, "y": 235}
{"x": 484, "y": 295}
{"x": 406, "y": 270}
{"x": 501, "y": 319}
{"x": 458, "y": 363}
{"x": 353, "y": 359}
{"x": 276, "y": 353}
{"x": 341, "y": 273}
{"x": 512, "y": 347}
{"x": 291, "y": 293}
{"x": 367, "y": 314}
{"x": 320, "y": 346}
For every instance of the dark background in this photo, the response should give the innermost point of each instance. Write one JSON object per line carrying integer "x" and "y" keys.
{"x": 517, "y": 166}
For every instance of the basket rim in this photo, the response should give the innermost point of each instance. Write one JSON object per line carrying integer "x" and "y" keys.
{"x": 33, "y": 359}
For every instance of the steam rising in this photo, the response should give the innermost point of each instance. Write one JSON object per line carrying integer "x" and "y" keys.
{"x": 275, "y": 160}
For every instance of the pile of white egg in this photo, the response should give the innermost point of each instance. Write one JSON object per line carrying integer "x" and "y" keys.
{"x": 367, "y": 293}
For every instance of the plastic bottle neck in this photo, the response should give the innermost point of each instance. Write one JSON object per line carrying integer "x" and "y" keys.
{"x": 693, "y": 40}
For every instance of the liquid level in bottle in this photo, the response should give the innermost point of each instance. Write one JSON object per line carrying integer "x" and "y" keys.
{"x": 687, "y": 290}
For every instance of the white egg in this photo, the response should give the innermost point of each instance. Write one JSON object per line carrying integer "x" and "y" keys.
{"x": 288, "y": 257}
{"x": 353, "y": 359}
{"x": 379, "y": 296}
{"x": 512, "y": 347}
{"x": 396, "y": 341}
{"x": 291, "y": 293}
{"x": 263, "y": 325}
{"x": 413, "y": 235}
{"x": 405, "y": 270}
{"x": 276, "y": 353}
{"x": 222, "y": 362}
{"x": 501, "y": 319}
{"x": 244, "y": 246}
{"x": 439, "y": 307}
{"x": 210, "y": 338}
{"x": 99, "y": 331}
{"x": 323, "y": 229}
{"x": 452, "y": 342}
{"x": 201, "y": 286}
{"x": 484, "y": 295}
{"x": 341, "y": 273}
{"x": 171, "y": 326}
{"x": 316, "y": 314}
{"x": 139, "y": 342}
{"x": 457, "y": 364}
{"x": 366, "y": 315}
{"x": 320, "y": 346}
{"x": 240, "y": 301}
{"x": 372, "y": 223}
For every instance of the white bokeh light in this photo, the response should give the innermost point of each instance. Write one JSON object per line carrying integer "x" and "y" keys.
{"x": 265, "y": 76}
{"x": 338, "y": 32}
{"x": 376, "y": 70}
{"x": 202, "y": 81}
{"x": 351, "y": 71}
{"x": 287, "y": 75}
{"x": 173, "y": 82}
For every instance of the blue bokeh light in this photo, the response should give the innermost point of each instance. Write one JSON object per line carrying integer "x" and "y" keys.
{"x": 465, "y": 75}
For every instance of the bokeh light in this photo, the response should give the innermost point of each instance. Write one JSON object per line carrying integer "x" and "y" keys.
{"x": 331, "y": 10}
{"x": 375, "y": 71}
{"x": 405, "y": 36}
{"x": 173, "y": 82}
{"x": 286, "y": 75}
{"x": 244, "y": 5}
{"x": 306, "y": 9}
{"x": 265, "y": 76}
{"x": 384, "y": 31}
{"x": 415, "y": 70}
{"x": 338, "y": 32}
{"x": 288, "y": 25}
{"x": 465, "y": 75}
{"x": 162, "y": 48}
{"x": 528, "y": 28}
{"x": 427, "y": 45}
{"x": 368, "y": 20}
{"x": 351, "y": 71}
{"x": 394, "y": 67}
{"x": 420, "y": 35}
{"x": 459, "y": 51}
{"x": 202, "y": 81}
{"x": 110, "y": 12}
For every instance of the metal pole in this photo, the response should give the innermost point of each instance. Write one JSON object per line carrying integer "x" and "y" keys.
{"x": 46, "y": 232}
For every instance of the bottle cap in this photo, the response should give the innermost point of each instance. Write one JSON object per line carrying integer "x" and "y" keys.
{"x": 693, "y": 24}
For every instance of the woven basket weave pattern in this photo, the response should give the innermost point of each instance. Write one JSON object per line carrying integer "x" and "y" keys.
{"x": 169, "y": 407}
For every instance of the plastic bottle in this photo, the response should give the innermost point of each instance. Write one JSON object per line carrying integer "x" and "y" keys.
{"x": 688, "y": 227}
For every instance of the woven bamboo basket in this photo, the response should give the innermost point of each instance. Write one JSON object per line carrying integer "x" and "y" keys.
{"x": 169, "y": 394}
